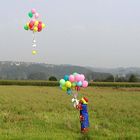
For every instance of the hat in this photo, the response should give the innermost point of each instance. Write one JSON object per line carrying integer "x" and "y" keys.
{"x": 84, "y": 100}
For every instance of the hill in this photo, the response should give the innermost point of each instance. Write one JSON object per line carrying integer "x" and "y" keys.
{"x": 41, "y": 71}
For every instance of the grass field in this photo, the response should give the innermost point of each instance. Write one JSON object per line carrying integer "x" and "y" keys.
{"x": 46, "y": 113}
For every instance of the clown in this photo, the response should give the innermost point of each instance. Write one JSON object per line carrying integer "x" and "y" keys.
{"x": 82, "y": 106}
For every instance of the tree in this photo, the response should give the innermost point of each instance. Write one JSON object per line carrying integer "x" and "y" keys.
{"x": 133, "y": 78}
{"x": 52, "y": 78}
{"x": 109, "y": 79}
{"x": 37, "y": 76}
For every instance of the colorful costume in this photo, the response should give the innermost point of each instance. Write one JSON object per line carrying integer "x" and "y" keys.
{"x": 82, "y": 106}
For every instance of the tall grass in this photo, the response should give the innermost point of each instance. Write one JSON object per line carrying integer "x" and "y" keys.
{"x": 46, "y": 113}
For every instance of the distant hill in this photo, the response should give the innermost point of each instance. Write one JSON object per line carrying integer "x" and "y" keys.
{"x": 117, "y": 71}
{"x": 26, "y": 70}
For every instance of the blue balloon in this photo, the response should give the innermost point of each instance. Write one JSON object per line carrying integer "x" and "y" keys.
{"x": 66, "y": 78}
{"x": 69, "y": 91}
{"x": 79, "y": 84}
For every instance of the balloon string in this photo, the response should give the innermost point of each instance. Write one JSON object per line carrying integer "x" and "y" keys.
{"x": 33, "y": 36}
{"x": 34, "y": 41}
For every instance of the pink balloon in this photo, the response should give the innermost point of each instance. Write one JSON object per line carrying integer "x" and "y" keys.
{"x": 71, "y": 78}
{"x": 85, "y": 84}
{"x": 36, "y": 15}
{"x": 82, "y": 77}
{"x": 77, "y": 78}
{"x": 33, "y": 20}
{"x": 33, "y": 11}
{"x": 39, "y": 27}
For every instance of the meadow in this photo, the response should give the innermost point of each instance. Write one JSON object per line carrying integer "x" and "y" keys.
{"x": 47, "y": 113}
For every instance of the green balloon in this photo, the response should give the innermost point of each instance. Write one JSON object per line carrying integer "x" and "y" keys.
{"x": 30, "y": 14}
{"x": 73, "y": 84}
{"x": 62, "y": 82}
{"x": 26, "y": 27}
{"x": 75, "y": 73}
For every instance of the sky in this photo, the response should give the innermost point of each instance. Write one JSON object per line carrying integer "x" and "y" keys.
{"x": 97, "y": 33}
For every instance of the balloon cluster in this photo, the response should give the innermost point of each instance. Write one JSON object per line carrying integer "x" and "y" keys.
{"x": 73, "y": 82}
{"x": 34, "y": 24}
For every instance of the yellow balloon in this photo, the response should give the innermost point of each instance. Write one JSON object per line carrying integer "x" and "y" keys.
{"x": 27, "y": 24}
{"x": 34, "y": 52}
{"x": 35, "y": 29}
{"x": 64, "y": 88}
{"x": 43, "y": 25}
{"x": 68, "y": 84}
{"x": 36, "y": 23}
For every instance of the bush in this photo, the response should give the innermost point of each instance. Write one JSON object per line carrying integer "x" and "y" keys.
{"x": 52, "y": 78}
{"x": 55, "y": 83}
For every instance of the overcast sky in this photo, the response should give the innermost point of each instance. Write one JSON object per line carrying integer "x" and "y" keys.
{"x": 98, "y": 33}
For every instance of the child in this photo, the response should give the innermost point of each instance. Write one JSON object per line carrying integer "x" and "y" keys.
{"x": 82, "y": 106}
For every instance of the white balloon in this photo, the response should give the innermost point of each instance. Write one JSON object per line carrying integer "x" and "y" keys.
{"x": 34, "y": 41}
{"x": 34, "y": 45}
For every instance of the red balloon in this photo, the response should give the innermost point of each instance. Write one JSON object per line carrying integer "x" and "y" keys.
{"x": 40, "y": 22}
{"x": 31, "y": 24}
{"x": 39, "y": 27}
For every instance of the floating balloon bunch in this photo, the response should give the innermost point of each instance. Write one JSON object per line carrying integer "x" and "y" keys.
{"x": 73, "y": 82}
{"x": 34, "y": 25}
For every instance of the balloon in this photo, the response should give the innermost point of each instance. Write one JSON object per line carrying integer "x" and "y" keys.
{"x": 33, "y": 11}
{"x": 71, "y": 78}
{"x": 34, "y": 45}
{"x": 75, "y": 73}
{"x": 73, "y": 84}
{"x": 35, "y": 29}
{"x": 77, "y": 88}
{"x": 62, "y": 82}
{"x": 39, "y": 27}
{"x": 69, "y": 91}
{"x": 64, "y": 88}
{"x": 68, "y": 84}
{"x": 26, "y": 27}
{"x": 82, "y": 77}
{"x": 77, "y": 78}
{"x": 43, "y": 25}
{"x": 34, "y": 52}
{"x": 31, "y": 24}
{"x": 66, "y": 77}
{"x": 85, "y": 84}
{"x": 30, "y": 14}
{"x": 36, "y": 15}
{"x": 40, "y": 22}
{"x": 36, "y": 23}
{"x": 27, "y": 24}
{"x": 79, "y": 84}
{"x": 33, "y": 20}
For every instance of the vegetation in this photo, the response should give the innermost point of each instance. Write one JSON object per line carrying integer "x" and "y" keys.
{"x": 56, "y": 83}
{"x": 37, "y": 76}
{"x": 52, "y": 78}
{"x": 46, "y": 113}
{"x": 133, "y": 78}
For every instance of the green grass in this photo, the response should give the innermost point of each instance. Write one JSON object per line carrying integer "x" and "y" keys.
{"x": 46, "y": 113}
